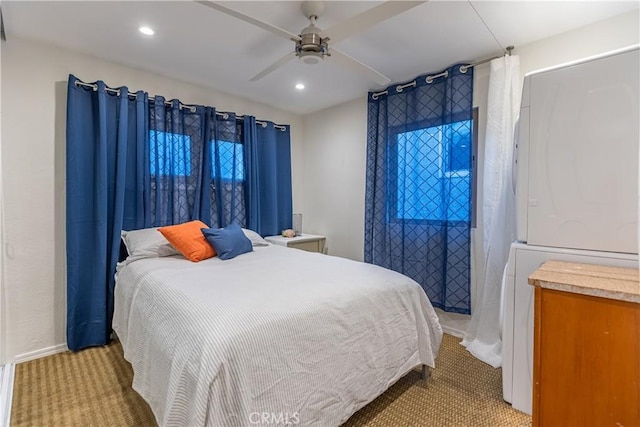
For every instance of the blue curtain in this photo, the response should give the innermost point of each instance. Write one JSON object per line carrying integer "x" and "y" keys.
{"x": 196, "y": 165}
{"x": 418, "y": 184}
{"x": 105, "y": 146}
{"x": 268, "y": 165}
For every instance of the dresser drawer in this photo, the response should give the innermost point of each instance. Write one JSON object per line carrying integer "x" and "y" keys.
{"x": 307, "y": 246}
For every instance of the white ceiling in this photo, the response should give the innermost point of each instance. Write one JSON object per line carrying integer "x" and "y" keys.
{"x": 200, "y": 45}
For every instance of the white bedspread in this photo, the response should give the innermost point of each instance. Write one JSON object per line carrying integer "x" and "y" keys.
{"x": 271, "y": 336}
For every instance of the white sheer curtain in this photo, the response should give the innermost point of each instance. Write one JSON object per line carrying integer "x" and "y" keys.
{"x": 3, "y": 310}
{"x": 482, "y": 338}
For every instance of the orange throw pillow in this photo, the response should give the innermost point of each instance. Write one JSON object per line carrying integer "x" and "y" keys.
{"x": 189, "y": 240}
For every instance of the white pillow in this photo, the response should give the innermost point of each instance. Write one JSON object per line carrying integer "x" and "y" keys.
{"x": 255, "y": 238}
{"x": 147, "y": 243}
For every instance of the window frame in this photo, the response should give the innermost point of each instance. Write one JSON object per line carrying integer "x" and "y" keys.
{"x": 474, "y": 166}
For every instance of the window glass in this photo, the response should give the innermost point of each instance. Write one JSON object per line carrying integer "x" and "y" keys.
{"x": 169, "y": 153}
{"x": 231, "y": 160}
{"x": 433, "y": 173}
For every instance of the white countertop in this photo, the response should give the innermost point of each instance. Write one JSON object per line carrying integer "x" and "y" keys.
{"x": 589, "y": 279}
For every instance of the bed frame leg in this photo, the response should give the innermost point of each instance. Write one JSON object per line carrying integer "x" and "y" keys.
{"x": 425, "y": 372}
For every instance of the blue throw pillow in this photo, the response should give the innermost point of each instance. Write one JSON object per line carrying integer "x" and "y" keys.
{"x": 229, "y": 242}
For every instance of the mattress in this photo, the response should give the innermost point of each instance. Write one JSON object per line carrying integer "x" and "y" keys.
{"x": 277, "y": 335}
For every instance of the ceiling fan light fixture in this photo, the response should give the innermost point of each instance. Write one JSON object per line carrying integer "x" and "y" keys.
{"x": 311, "y": 57}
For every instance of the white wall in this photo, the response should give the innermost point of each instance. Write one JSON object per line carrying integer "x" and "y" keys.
{"x": 614, "y": 33}
{"x": 33, "y": 148}
{"x": 335, "y": 137}
{"x": 334, "y": 178}
{"x": 2, "y": 268}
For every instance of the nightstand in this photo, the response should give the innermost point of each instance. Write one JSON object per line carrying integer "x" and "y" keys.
{"x": 306, "y": 242}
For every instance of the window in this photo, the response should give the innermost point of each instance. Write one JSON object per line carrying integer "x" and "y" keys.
{"x": 231, "y": 160}
{"x": 169, "y": 153}
{"x": 435, "y": 173}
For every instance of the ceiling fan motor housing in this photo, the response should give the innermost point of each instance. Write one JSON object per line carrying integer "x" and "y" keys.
{"x": 311, "y": 47}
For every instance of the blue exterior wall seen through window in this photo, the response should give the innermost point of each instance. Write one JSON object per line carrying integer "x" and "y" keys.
{"x": 428, "y": 159}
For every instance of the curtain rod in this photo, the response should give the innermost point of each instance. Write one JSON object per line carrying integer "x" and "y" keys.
{"x": 191, "y": 108}
{"x": 484, "y": 61}
{"x": 429, "y": 79}
{"x": 259, "y": 122}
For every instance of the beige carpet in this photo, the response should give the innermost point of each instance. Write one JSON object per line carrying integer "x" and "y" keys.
{"x": 93, "y": 388}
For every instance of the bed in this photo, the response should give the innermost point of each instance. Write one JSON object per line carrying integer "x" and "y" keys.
{"x": 274, "y": 336}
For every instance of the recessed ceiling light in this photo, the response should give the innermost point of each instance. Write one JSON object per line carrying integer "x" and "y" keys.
{"x": 299, "y": 86}
{"x": 147, "y": 31}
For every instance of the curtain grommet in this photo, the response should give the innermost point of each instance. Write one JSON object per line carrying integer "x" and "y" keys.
{"x": 376, "y": 95}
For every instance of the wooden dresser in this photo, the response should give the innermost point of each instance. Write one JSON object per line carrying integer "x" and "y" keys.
{"x": 586, "y": 368}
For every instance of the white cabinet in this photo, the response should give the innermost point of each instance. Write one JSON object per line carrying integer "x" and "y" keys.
{"x": 518, "y": 307}
{"x": 306, "y": 242}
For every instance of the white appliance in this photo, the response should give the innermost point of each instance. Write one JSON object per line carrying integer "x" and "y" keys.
{"x": 576, "y": 183}
{"x": 577, "y": 155}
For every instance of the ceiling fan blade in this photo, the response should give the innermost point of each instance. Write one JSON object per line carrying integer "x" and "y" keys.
{"x": 271, "y": 28}
{"x": 349, "y": 62}
{"x": 3, "y": 35}
{"x": 366, "y": 19}
{"x": 279, "y": 63}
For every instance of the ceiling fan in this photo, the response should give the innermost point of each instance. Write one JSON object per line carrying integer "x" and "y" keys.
{"x": 312, "y": 44}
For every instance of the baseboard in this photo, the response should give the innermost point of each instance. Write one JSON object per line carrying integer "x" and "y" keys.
{"x": 453, "y": 331}
{"x": 43, "y": 352}
{"x": 6, "y": 393}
